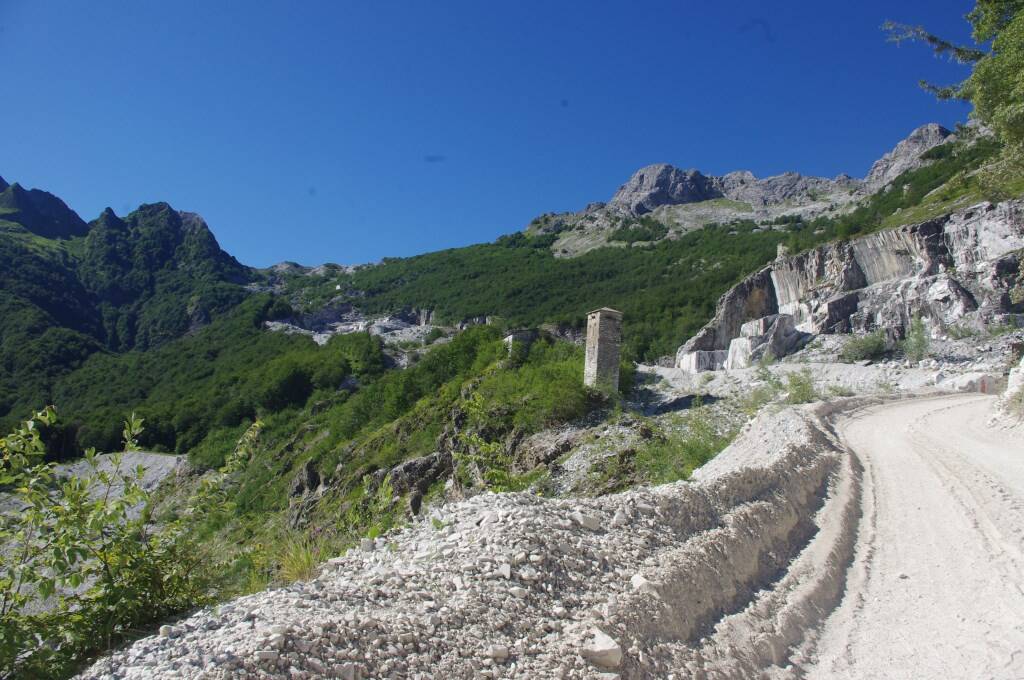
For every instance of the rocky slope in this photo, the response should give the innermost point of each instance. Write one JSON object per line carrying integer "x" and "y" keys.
{"x": 960, "y": 269}
{"x": 682, "y": 200}
{"x": 642, "y": 584}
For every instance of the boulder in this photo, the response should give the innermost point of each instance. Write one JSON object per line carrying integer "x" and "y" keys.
{"x": 775, "y": 335}
{"x": 416, "y": 474}
{"x": 601, "y": 650}
{"x": 701, "y": 360}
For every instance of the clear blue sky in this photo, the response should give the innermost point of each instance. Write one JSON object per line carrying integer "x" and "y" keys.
{"x": 345, "y": 131}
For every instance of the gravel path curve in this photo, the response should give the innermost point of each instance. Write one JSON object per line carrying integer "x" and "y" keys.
{"x": 937, "y": 585}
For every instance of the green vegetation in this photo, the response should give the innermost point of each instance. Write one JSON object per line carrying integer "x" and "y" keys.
{"x": 645, "y": 228}
{"x": 220, "y": 377}
{"x": 915, "y": 345}
{"x": 135, "y": 283}
{"x": 299, "y": 556}
{"x": 667, "y": 290}
{"x": 995, "y": 86}
{"x": 695, "y": 440}
{"x": 962, "y": 331}
{"x": 468, "y": 396}
{"x": 800, "y": 387}
{"x": 950, "y": 169}
{"x": 864, "y": 347}
{"x": 78, "y": 544}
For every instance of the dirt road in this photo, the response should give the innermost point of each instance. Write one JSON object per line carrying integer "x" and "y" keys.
{"x": 937, "y": 585}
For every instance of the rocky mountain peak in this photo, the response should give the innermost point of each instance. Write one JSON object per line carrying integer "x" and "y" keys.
{"x": 662, "y": 184}
{"x": 3, "y": 184}
{"x": 906, "y": 155}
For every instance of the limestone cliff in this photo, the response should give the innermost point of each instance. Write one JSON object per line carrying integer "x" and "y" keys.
{"x": 683, "y": 200}
{"x": 945, "y": 269}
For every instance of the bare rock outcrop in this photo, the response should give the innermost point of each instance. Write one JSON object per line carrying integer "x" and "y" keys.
{"x": 659, "y": 185}
{"x": 662, "y": 184}
{"x": 906, "y": 155}
{"x": 943, "y": 269}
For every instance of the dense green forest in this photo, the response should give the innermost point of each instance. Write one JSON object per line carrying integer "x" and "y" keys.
{"x": 70, "y": 290}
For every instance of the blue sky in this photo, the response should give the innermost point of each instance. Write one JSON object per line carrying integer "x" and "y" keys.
{"x": 350, "y": 131}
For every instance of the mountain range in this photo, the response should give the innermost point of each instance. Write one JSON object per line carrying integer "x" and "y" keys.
{"x": 81, "y": 299}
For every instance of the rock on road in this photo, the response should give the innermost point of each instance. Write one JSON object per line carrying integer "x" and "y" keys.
{"x": 936, "y": 588}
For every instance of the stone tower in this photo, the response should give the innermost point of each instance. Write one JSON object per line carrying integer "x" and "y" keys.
{"x": 604, "y": 333}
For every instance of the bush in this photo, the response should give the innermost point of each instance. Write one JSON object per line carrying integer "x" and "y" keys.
{"x": 865, "y": 347}
{"x": 800, "y": 387}
{"x": 644, "y": 229}
{"x": 962, "y": 331}
{"x": 85, "y": 555}
{"x": 915, "y": 345}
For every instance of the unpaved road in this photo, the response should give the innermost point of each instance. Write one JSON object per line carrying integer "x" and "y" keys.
{"x": 936, "y": 589}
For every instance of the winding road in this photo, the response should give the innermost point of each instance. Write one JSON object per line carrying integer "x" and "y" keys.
{"x": 936, "y": 589}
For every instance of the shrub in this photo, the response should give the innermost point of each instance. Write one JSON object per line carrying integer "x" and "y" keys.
{"x": 961, "y": 331}
{"x": 433, "y": 336}
{"x": 864, "y": 347}
{"x": 644, "y": 229}
{"x": 285, "y": 384}
{"x": 87, "y": 555}
{"x": 839, "y": 391}
{"x": 915, "y": 345}
{"x": 800, "y": 387}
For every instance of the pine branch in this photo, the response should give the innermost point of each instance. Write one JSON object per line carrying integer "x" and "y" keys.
{"x": 963, "y": 54}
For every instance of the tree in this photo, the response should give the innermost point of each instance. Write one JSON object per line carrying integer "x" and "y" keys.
{"x": 996, "y": 84}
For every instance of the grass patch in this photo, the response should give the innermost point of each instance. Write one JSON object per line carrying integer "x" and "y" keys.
{"x": 299, "y": 555}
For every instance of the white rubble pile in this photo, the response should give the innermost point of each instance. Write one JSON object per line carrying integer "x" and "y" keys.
{"x": 646, "y": 583}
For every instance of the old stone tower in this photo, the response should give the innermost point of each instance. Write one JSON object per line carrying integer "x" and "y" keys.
{"x": 604, "y": 333}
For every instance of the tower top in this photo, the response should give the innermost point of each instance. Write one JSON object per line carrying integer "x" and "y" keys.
{"x": 606, "y": 311}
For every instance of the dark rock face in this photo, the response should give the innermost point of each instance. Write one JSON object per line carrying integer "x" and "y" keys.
{"x": 662, "y": 184}
{"x": 416, "y": 474}
{"x": 306, "y": 480}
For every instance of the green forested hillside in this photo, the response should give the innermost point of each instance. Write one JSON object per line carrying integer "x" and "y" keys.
{"x": 70, "y": 290}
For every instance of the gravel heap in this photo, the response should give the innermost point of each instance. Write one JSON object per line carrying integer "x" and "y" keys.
{"x": 715, "y": 577}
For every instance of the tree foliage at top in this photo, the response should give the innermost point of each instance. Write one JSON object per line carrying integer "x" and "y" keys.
{"x": 996, "y": 84}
